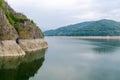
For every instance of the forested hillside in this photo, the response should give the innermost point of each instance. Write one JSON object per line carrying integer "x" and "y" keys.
{"x": 102, "y": 27}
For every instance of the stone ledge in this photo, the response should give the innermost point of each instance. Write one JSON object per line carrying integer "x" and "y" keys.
{"x": 32, "y": 44}
{"x": 11, "y": 48}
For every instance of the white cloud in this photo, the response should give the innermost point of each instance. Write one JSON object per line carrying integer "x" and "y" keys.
{"x": 88, "y": 16}
{"x": 51, "y": 4}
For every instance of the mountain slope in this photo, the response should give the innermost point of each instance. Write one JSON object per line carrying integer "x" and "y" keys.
{"x": 102, "y": 27}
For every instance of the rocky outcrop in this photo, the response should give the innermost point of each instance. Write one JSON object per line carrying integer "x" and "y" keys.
{"x": 7, "y": 31}
{"x": 10, "y": 48}
{"x": 26, "y": 28}
{"x": 13, "y": 48}
{"x": 33, "y": 44}
{"x": 18, "y": 34}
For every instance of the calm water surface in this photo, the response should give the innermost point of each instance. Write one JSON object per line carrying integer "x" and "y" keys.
{"x": 67, "y": 59}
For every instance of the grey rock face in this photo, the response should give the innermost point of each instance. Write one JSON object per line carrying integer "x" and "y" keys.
{"x": 7, "y": 31}
{"x": 27, "y": 28}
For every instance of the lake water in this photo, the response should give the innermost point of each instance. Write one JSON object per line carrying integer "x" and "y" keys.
{"x": 66, "y": 59}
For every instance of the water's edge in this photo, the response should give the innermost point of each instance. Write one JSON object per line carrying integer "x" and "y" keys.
{"x": 88, "y": 37}
{"x": 13, "y": 48}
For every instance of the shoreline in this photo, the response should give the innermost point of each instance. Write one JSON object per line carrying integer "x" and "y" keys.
{"x": 12, "y": 48}
{"x": 87, "y": 37}
{"x": 29, "y": 45}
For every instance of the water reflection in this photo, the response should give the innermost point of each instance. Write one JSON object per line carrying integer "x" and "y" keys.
{"x": 21, "y": 68}
{"x": 104, "y": 45}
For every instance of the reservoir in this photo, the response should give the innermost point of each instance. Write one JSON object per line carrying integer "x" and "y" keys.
{"x": 81, "y": 59}
{"x": 66, "y": 59}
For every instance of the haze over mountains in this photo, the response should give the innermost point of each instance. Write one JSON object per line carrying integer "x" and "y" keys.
{"x": 102, "y": 27}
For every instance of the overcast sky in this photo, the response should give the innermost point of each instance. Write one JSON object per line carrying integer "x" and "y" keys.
{"x": 50, "y": 14}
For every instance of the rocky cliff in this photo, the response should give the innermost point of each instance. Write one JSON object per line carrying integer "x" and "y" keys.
{"x": 7, "y": 31}
{"x": 25, "y": 27}
{"x": 20, "y": 33}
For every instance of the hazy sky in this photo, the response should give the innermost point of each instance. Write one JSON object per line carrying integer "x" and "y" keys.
{"x": 50, "y": 14}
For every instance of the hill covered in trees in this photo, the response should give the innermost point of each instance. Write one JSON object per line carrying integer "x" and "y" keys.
{"x": 102, "y": 27}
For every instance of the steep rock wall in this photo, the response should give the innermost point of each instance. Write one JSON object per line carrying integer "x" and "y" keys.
{"x": 18, "y": 34}
{"x": 26, "y": 28}
{"x": 7, "y": 31}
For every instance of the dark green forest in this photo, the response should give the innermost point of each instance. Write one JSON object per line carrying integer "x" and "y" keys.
{"x": 102, "y": 27}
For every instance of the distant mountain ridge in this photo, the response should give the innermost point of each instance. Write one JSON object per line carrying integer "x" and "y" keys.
{"x": 102, "y": 27}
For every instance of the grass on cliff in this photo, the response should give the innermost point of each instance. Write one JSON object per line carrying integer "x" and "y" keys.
{"x": 15, "y": 20}
{"x": 6, "y": 12}
{"x": 12, "y": 19}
